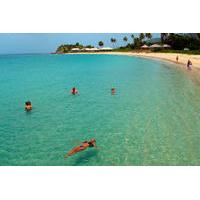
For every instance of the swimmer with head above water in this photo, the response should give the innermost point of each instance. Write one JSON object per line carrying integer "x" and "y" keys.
{"x": 113, "y": 91}
{"x": 28, "y": 106}
{"x": 82, "y": 147}
{"x": 74, "y": 91}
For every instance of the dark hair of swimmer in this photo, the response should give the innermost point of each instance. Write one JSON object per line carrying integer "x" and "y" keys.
{"x": 74, "y": 90}
{"x": 28, "y": 103}
{"x": 113, "y": 90}
{"x": 92, "y": 143}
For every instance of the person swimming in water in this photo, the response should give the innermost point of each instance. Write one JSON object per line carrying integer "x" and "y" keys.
{"x": 74, "y": 91}
{"x": 82, "y": 147}
{"x": 113, "y": 91}
{"x": 28, "y": 106}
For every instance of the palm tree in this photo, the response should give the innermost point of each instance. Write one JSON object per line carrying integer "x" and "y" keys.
{"x": 101, "y": 43}
{"x": 148, "y": 35}
{"x": 137, "y": 43}
{"x": 125, "y": 39}
{"x": 141, "y": 36}
{"x": 132, "y": 36}
{"x": 113, "y": 40}
{"x": 198, "y": 35}
{"x": 60, "y": 49}
{"x": 163, "y": 37}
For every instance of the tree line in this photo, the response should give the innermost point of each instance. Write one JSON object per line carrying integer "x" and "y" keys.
{"x": 177, "y": 41}
{"x": 134, "y": 43}
{"x": 181, "y": 40}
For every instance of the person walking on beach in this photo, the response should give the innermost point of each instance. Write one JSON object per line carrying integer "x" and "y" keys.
{"x": 189, "y": 65}
{"x": 177, "y": 58}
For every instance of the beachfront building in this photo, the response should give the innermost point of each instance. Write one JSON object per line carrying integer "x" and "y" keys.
{"x": 94, "y": 49}
{"x": 106, "y": 49}
{"x": 75, "y": 49}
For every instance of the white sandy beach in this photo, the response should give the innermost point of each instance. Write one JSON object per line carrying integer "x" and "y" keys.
{"x": 183, "y": 58}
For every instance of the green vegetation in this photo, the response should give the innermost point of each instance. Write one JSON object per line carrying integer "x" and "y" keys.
{"x": 141, "y": 37}
{"x": 125, "y": 39}
{"x": 148, "y": 35}
{"x": 101, "y": 43}
{"x": 181, "y": 41}
{"x": 113, "y": 41}
{"x": 163, "y": 37}
{"x": 66, "y": 48}
{"x": 178, "y": 43}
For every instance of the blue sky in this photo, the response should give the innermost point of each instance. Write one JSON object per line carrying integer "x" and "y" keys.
{"x": 11, "y": 43}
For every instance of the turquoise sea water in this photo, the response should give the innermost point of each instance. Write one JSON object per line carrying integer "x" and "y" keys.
{"x": 152, "y": 120}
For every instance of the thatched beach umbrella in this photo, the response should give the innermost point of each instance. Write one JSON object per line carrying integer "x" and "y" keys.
{"x": 144, "y": 47}
{"x": 154, "y": 46}
{"x": 166, "y": 46}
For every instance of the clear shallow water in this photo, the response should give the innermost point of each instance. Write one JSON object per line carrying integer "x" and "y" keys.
{"x": 152, "y": 120}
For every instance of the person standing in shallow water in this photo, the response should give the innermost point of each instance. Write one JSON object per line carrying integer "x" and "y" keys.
{"x": 189, "y": 64}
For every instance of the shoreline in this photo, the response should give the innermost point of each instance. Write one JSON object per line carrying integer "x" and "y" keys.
{"x": 170, "y": 57}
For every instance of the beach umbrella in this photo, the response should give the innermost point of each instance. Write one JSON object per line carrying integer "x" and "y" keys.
{"x": 166, "y": 46}
{"x": 155, "y": 46}
{"x": 144, "y": 46}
